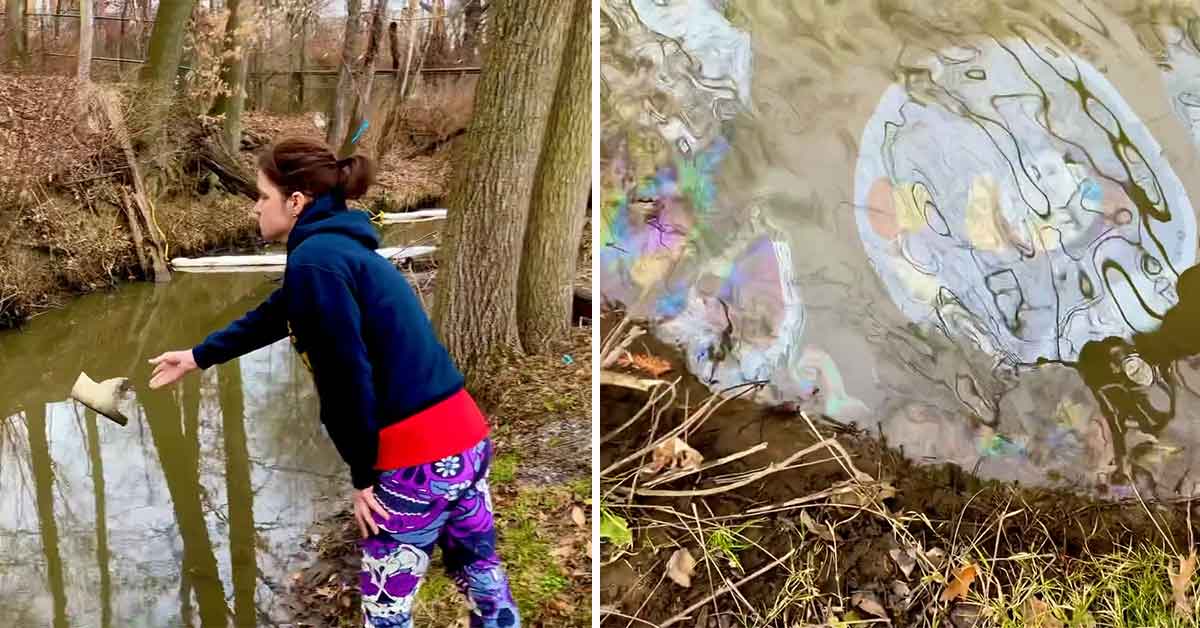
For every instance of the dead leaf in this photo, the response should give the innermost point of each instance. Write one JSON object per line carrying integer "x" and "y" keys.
{"x": 681, "y": 566}
{"x": 564, "y": 550}
{"x": 651, "y": 365}
{"x": 864, "y": 493}
{"x": 869, "y": 603}
{"x": 935, "y": 556}
{"x": 819, "y": 529}
{"x": 906, "y": 560}
{"x": 1038, "y": 614}
{"x": 578, "y": 517}
{"x": 900, "y": 589}
{"x": 674, "y": 454}
{"x": 963, "y": 577}
{"x": 1180, "y": 583}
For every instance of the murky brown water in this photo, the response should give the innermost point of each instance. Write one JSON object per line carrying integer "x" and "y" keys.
{"x": 953, "y": 222}
{"x": 190, "y": 515}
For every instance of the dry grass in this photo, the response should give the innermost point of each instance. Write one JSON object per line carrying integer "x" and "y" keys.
{"x": 437, "y": 113}
{"x": 1023, "y": 578}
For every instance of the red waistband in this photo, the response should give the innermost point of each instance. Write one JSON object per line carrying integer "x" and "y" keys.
{"x": 449, "y": 427}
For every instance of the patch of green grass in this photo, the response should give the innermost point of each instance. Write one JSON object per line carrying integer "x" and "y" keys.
{"x": 504, "y": 469}
{"x": 582, "y": 489}
{"x": 1128, "y": 588}
{"x": 727, "y": 542}
{"x": 437, "y": 598}
{"x": 525, "y": 545}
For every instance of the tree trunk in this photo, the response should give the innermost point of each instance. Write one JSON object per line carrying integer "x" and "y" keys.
{"x": 476, "y": 296}
{"x": 233, "y": 73}
{"x": 346, "y": 85}
{"x": 362, "y": 102}
{"x": 439, "y": 47}
{"x": 401, "y": 88}
{"x": 176, "y": 443}
{"x": 472, "y": 18}
{"x": 296, "y": 48}
{"x": 86, "y": 30}
{"x": 394, "y": 46}
{"x": 166, "y": 45}
{"x": 100, "y": 505}
{"x": 42, "y": 468}
{"x": 560, "y": 195}
{"x": 18, "y": 43}
{"x": 238, "y": 488}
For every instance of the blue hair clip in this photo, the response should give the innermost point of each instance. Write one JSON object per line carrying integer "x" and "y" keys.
{"x": 362, "y": 128}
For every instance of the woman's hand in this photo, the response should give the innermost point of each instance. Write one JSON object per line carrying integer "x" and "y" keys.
{"x": 171, "y": 366}
{"x": 364, "y": 505}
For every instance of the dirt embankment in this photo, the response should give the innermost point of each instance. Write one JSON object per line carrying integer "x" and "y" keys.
{"x": 797, "y": 521}
{"x": 65, "y": 191}
{"x": 540, "y": 411}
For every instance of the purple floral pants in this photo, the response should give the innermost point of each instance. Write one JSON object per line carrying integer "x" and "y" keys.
{"x": 447, "y": 504}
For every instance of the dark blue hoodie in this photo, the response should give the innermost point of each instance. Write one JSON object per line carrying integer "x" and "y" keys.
{"x": 357, "y": 324}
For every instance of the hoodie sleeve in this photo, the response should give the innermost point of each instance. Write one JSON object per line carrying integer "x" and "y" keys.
{"x": 258, "y": 328}
{"x": 329, "y": 325}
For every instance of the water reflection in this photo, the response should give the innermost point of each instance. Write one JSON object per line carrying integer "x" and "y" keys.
{"x": 958, "y": 221}
{"x": 190, "y": 515}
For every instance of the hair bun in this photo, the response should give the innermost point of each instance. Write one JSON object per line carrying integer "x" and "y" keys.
{"x": 356, "y": 174}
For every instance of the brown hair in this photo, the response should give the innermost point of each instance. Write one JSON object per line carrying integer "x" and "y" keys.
{"x": 298, "y": 164}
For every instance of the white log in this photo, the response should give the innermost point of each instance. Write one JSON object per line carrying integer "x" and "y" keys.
{"x": 277, "y": 261}
{"x": 420, "y": 215}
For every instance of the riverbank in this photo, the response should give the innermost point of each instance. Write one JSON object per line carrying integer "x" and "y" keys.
{"x": 64, "y": 195}
{"x": 793, "y": 519}
{"x": 540, "y": 412}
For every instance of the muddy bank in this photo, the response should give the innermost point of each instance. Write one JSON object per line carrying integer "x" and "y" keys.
{"x": 65, "y": 187}
{"x": 840, "y": 532}
{"x": 540, "y": 411}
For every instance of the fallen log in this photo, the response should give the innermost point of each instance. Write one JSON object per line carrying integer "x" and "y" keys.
{"x": 213, "y": 157}
{"x": 277, "y": 261}
{"x": 420, "y": 215}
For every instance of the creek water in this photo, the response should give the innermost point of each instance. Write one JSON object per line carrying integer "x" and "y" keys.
{"x": 194, "y": 512}
{"x": 967, "y": 226}
{"x": 191, "y": 515}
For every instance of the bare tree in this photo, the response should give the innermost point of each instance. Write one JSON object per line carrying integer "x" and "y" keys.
{"x": 234, "y": 62}
{"x": 472, "y": 24}
{"x": 362, "y": 101}
{"x": 560, "y": 195}
{"x": 476, "y": 296}
{"x": 402, "y": 84}
{"x": 394, "y": 46}
{"x": 18, "y": 50}
{"x": 86, "y": 31}
{"x": 166, "y": 44}
{"x": 336, "y": 129}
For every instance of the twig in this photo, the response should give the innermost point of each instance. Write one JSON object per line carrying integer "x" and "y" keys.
{"x": 613, "y": 337}
{"x": 609, "y": 611}
{"x": 611, "y": 351}
{"x": 654, "y": 399}
{"x": 725, "y": 589}
{"x": 768, "y": 470}
{"x": 800, "y": 501}
{"x": 709, "y": 406}
{"x": 624, "y": 380}
{"x": 844, "y": 461}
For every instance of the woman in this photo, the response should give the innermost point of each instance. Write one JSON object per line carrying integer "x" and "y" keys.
{"x": 391, "y": 398}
